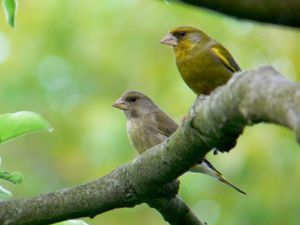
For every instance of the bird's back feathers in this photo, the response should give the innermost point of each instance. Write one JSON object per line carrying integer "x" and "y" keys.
{"x": 165, "y": 124}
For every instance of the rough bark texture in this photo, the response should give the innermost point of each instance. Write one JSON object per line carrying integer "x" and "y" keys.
{"x": 84, "y": 200}
{"x": 250, "y": 97}
{"x": 283, "y": 12}
{"x": 175, "y": 211}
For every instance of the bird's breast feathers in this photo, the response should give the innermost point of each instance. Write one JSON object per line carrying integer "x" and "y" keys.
{"x": 143, "y": 134}
{"x": 203, "y": 69}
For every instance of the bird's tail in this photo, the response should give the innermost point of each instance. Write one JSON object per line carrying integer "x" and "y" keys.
{"x": 224, "y": 180}
{"x": 207, "y": 168}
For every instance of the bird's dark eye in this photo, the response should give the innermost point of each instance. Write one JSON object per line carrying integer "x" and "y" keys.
{"x": 182, "y": 33}
{"x": 131, "y": 99}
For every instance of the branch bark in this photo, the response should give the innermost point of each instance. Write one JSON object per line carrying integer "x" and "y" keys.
{"x": 175, "y": 211}
{"x": 283, "y": 12}
{"x": 251, "y": 97}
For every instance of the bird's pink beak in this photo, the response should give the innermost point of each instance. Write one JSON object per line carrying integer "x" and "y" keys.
{"x": 120, "y": 104}
{"x": 169, "y": 39}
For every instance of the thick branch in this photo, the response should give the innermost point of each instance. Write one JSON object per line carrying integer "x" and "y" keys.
{"x": 283, "y": 12}
{"x": 175, "y": 211}
{"x": 85, "y": 200}
{"x": 250, "y": 97}
{"x": 262, "y": 95}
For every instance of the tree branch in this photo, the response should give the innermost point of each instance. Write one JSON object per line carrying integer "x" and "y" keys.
{"x": 283, "y": 12}
{"x": 251, "y": 97}
{"x": 85, "y": 200}
{"x": 175, "y": 211}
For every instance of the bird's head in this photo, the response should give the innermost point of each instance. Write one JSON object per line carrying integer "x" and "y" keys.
{"x": 184, "y": 38}
{"x": 135, "y": 104}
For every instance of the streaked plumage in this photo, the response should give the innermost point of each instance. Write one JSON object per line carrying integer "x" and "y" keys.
{"x": 148, "y": 125}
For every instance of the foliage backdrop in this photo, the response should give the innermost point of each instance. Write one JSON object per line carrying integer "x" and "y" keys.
{"x": 69, "y": 60}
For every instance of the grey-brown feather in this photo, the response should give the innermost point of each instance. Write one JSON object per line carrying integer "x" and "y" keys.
{"x": 146, "y": 131}
{"x": 148, "y": 125}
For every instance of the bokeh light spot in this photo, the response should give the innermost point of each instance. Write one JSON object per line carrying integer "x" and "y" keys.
{"x": 4, "y": 48}
{"x": 55, "y": 75}
{"x": 207, "y": 210}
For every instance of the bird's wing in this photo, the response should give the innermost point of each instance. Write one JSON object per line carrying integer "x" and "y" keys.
{"x": 166, "y": 125}
{"x": 226, "y": 58}
{"x": 206, "y": 162}
{"x": 207, "y": 168}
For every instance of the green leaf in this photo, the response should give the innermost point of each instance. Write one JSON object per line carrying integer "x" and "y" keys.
{"x": 72, "y": 222}
{"x": 10, "y": 8}
{"x": 13, "y": 125}
{"x": 4, "y": 192}
{"x": 13, "y": 177}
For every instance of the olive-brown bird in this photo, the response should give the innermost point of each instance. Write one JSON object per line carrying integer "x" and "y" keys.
{"x": 148, "y": 125}
{"x": 204, "y": 63}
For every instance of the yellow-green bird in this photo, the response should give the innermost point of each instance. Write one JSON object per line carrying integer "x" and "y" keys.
{"x": 148, "y": 125}
{"x": 204, "y": 63}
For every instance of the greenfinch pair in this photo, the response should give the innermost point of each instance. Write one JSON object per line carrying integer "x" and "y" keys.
{"x": 204, "y": 65}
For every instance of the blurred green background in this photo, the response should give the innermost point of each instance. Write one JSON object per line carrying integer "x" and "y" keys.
{"x": 70, "y": 60}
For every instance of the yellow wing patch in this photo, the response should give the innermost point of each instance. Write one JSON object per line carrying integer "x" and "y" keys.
{"x": 223, "y": 58}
